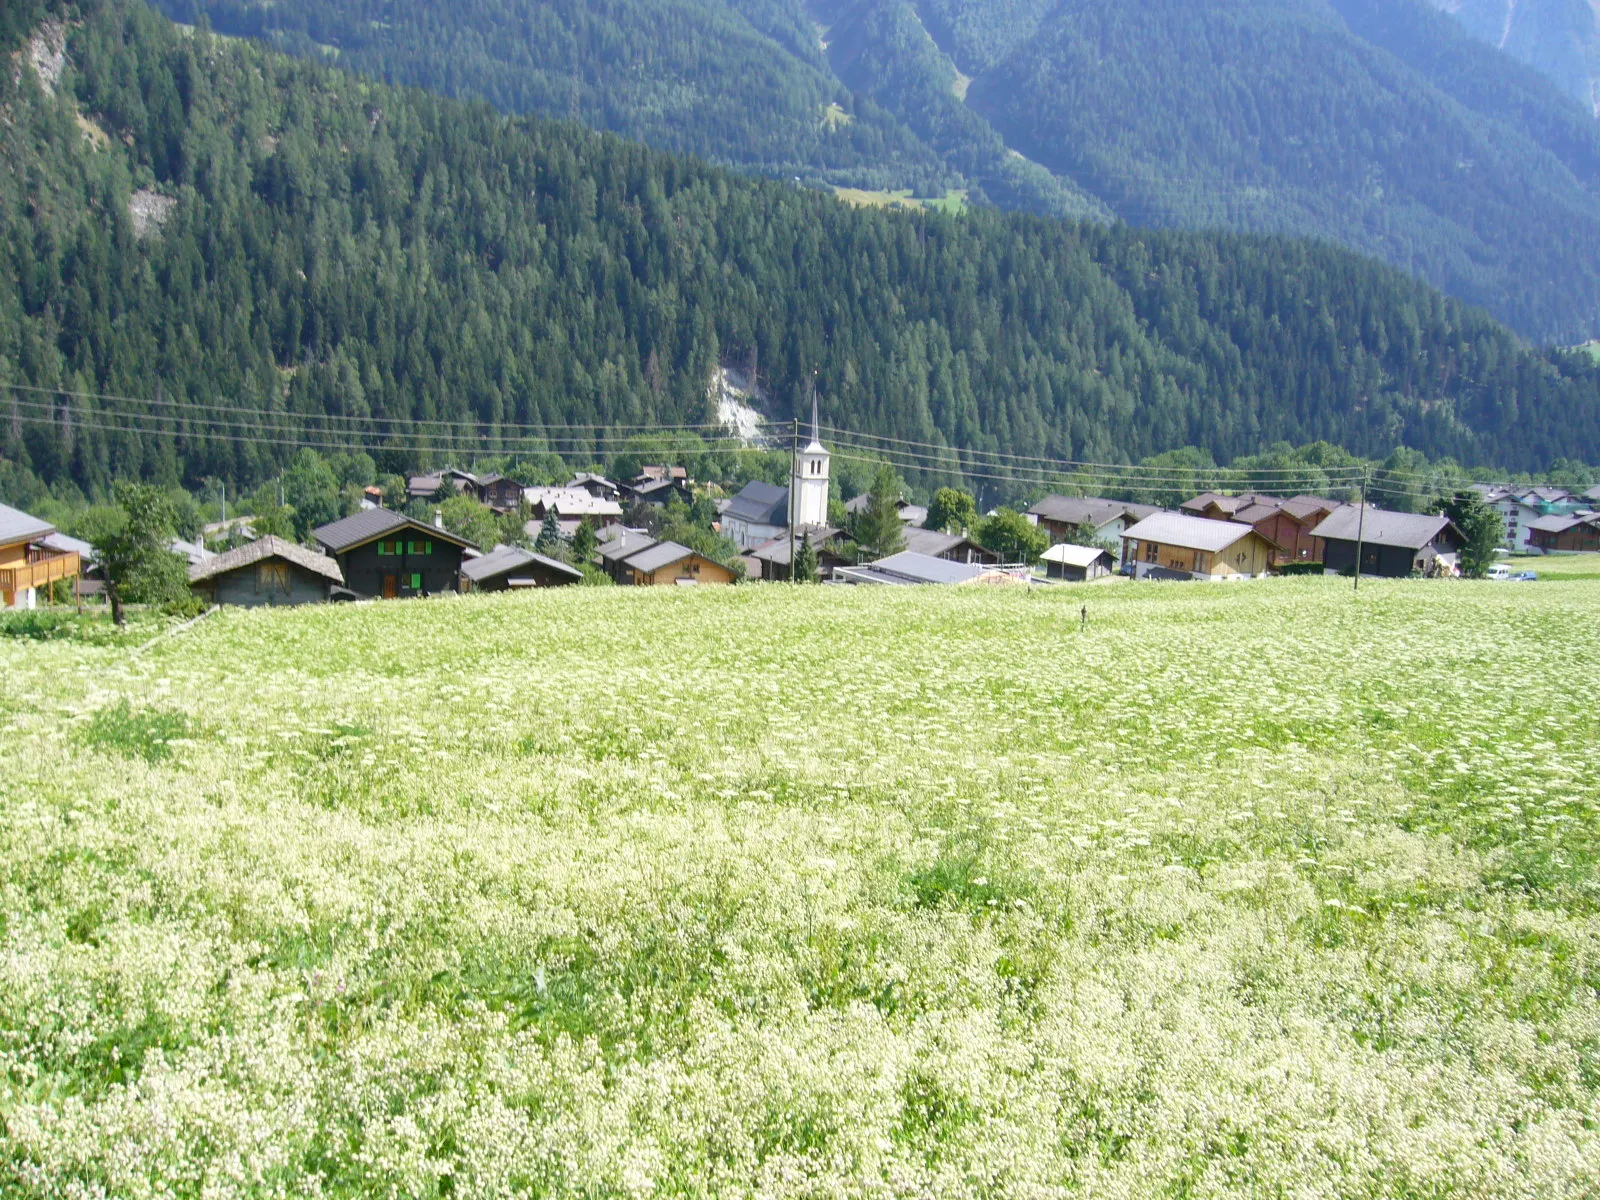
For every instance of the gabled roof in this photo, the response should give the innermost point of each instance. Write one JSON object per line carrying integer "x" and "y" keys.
{"x": 346, "y": 534}
{"x": 262, "y": 549}
{"x": 1301, "y": 507}
{"x": 572, "y": 502}
{"x": 1562, "y": 524}
{"x": 63, "y": 544}
{"x": 1075, "y": 556}
{"x": 1228, "y": 504}
{"x": 1408, "y": 531}
{"x": 17, "y": 526}
{"x": 1251, "y": 513}
{"x": 1191, "y": 533}
{"x": 625, "y": 544}
{"x": 1593, "y": 493}
{"x": 654, "y": 558}
{"x": 776, "y": 550}
{"x": 1081, "y": 510}
{"x": 584, "y": 477}
{"x": 760, "y": 503}
{"x": 503, "y": 560}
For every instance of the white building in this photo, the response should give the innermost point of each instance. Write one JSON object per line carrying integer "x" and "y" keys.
{"x": 808, "y": 490}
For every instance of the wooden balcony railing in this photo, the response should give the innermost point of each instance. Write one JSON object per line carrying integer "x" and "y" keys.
{"x": 40, "y": 571}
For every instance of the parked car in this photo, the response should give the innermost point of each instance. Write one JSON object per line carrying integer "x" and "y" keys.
{"x": 1526, "y": 576}
{"x": 1499, "y": 571}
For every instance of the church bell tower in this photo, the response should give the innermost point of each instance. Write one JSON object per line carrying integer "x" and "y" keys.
{"x": 808, "y": 490}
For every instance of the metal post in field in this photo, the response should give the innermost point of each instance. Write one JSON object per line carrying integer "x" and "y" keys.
{"x": 794, "y": 495}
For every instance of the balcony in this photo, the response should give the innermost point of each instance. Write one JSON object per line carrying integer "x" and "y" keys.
{"x": 42, "y": 568}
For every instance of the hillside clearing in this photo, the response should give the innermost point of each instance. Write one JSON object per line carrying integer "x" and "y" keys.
{"x": 1252, "y": 890}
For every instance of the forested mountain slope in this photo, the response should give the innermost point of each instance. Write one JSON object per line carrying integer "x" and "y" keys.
{"x": 1379, "y": 124}
{"x": 1560, "y": 38}
{"x": 198, "y": 221}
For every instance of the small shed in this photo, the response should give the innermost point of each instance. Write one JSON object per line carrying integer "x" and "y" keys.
{"x": 266, "y": 573}
{"x": 1077, "y": 564}
{"x": 511, "y": 568}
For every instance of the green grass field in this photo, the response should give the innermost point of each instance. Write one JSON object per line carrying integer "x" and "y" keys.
{"x": 1559, "y": 567}
{"x": 1263, "y": 890}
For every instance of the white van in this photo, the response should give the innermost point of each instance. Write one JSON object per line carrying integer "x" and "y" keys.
{"x": 1499, "y": 571}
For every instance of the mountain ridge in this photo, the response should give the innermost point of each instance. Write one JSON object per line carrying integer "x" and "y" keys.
{"x": 320, "y": 246}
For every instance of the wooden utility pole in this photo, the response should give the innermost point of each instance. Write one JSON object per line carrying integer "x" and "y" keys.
{"x": 794, "y": 485}
{"x": 1361, "y": 526}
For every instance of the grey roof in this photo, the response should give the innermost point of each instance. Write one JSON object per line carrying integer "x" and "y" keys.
{"x": 626, "y": 544}
{"x": 17, "y": 526}
{"x": 932, "y": 542}
{"x": 502, "y": 560}
{"x": 1408, "y": 531}
{"x": 776, "y": 551}
{"x": 1079, "y": 510}
{"x": 1075, "y": 556}
{"x": 263, "y": 548}
{"x": 760, "y": 503}
{"x": 911, "y": 567}
{"x": 1302, "y": 507}
{"x": 1561, "y": 524}
{"x": 1192, "y": 533}
{"x": 69, "y": 545}
{"x": 1593, "y": 493}
{"x": 342, "y": 535}
{"x": 663, "y": 554}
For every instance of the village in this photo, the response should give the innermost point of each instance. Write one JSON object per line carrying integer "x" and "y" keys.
{"x": 595, "y": 529}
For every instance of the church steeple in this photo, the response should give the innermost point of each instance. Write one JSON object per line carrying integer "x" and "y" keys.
{"x": 808, "y": 490}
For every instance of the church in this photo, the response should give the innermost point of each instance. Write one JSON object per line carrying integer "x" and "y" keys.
{"x": 763, "y": 511}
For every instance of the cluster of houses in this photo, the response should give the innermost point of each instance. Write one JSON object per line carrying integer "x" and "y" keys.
{"x": 1546, "y": 520}
{"x": 381, "y": 553}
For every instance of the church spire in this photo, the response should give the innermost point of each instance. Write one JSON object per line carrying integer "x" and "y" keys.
{"x": 815, "y": 424}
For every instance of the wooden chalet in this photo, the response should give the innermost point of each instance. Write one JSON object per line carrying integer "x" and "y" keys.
{"x": 1066, "y": 518}
{"x": 33, "y": 556}
{"x": 771, "y": 558}
{"x": 616, "y": 547}
{"x": 387, "y": 554}
{"x": 511, "y": 568}
{"x": 499, "y": 493}
{"x": 952, "y": 547}
{"x": 1575, "y": 534}
{"x": 1178, "y": 546}
{"x": 667, "y": 564}
{"x": 266, "y": 573}
{"x": 597, "y": 486}
{"x": 1393, "y": 545}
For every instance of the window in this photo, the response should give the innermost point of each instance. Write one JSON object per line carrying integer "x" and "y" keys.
{"x": 1152, "y": 552}
{"x": 273, "y": 577}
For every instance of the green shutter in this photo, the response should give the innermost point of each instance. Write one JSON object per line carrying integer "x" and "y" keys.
{"x": 416, "y": 583}
{"x": 427, "y": 547}
{"x": 382, "y": 549}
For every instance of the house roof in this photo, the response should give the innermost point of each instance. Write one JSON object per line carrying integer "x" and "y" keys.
{"x": 1593, "y": 493}
{"x": 625, "y": 544}
{"x": 760, "y": 503}
{"x": 264, "y": 548}
{"x": 572, "y": 502}
{"x": 1075, "y": 556}
{"x": 1408, "y": 531}
{"x": 350, "y": 532}
{"x": 776, "y": 550}
{"x": 910, "y": 567}
{"x": 1081, "y": 510}
{"x": 1192, "y": 533}
{"x": 662, "y": 554}
{"x": 1229, "y": 504}
{"x": 502, "y": 560}
{"x": 1251, "y": 513}
{"x": 1562, "y": 524}
{"x": 1301, "y": 507}
{"x": 69, "y": 545}
{"x": 584, "y": 477}
{"x": 17, "y": 526}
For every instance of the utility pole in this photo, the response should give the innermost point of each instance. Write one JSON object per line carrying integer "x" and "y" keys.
{"x": 794, "y": 486}
{"x": 1361, "y": 525}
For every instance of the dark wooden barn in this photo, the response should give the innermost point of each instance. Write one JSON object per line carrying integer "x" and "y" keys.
{"x": 1393, "y": 545}
{"x": 266, "y": 573}
{"x": 511, "y": 568}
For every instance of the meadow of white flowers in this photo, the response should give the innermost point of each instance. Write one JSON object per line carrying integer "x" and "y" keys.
{"x": 1266, "y": 890}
